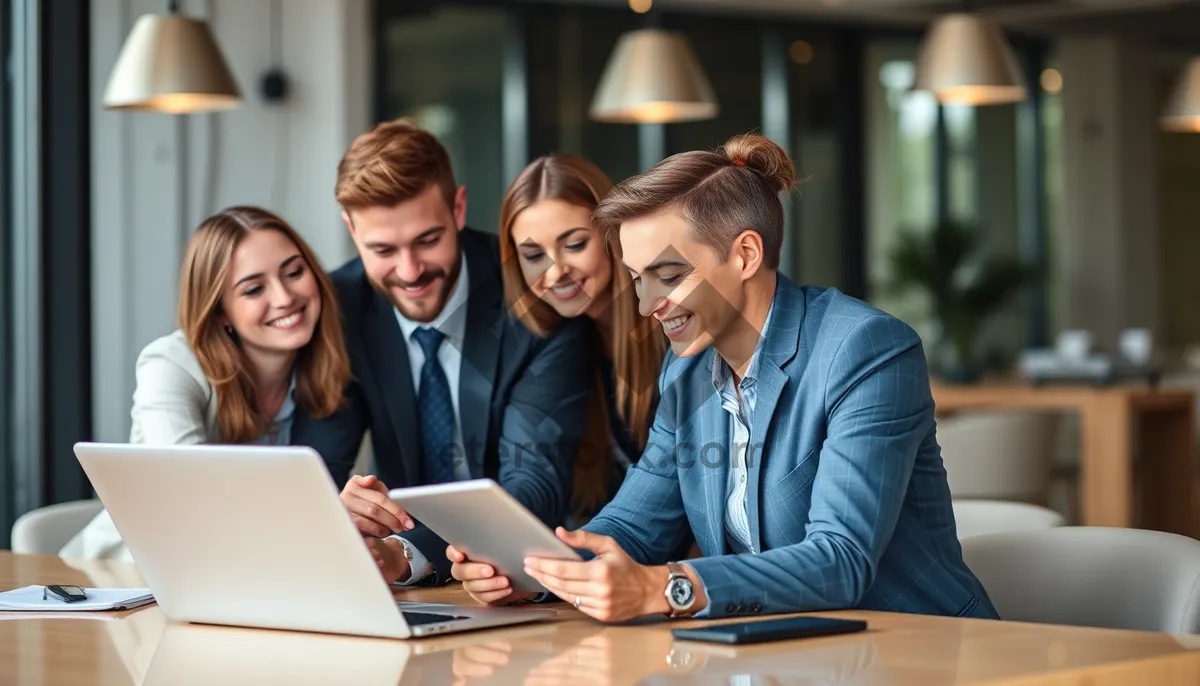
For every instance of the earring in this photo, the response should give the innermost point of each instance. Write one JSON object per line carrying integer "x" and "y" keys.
{"x": 229, "y": 330}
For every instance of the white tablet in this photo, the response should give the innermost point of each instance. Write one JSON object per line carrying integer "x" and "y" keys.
{"x": 481, "y": 519}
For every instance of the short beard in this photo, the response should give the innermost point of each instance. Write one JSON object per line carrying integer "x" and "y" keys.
{"x": 448, "y": 283}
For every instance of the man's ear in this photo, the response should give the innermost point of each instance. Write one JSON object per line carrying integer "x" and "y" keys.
{"x": 748, "y": 247}
{"x": 460, "y": 207}
{"x": 349, "y": 224}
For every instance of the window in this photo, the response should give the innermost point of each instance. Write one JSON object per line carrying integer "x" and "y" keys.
{"x": 568, "y": 50}
{"x": 444, "y": 68}
{"x": 815, "y": 220}
{"x": 901, "y": 140}
{"x": 730, "y": 52}
{"x": 875, "y": 157}
{"x": 7, "y": 454}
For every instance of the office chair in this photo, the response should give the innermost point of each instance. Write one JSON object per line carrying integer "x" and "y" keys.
{"x": 1091, "y": 576}
{"x": 46, "y": 530}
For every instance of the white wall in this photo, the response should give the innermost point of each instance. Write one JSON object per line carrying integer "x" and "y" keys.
{"x": 283, "y": 157}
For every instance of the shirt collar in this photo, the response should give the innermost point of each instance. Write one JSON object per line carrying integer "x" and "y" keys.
{"x": 452, "y": 320}
{"x": 722, "y": 373}
{"x": 289, "y": 403}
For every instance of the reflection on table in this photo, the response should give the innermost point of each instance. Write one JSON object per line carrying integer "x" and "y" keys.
{"x": 141, "y": 648}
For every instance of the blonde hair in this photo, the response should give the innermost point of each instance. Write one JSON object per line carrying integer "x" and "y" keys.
{"x": 638, "y": 344}
{"x": 718, "y": 193}
{"x": 322, "y": 366}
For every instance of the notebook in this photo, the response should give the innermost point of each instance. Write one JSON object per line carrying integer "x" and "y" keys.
{"x": 29, "y": 598}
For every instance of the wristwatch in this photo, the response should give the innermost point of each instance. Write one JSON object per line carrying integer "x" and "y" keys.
{"x": 406, "y": 549}
{"x": 680, "y": 593}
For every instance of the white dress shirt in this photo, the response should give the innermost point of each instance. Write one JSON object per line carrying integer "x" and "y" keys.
{"x": 452, "y": 322}
{"x": 741, "y": 418}
{"x": 737, "y": 521}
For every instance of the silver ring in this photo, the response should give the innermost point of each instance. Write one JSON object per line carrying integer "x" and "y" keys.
{"x": 578, "y": 600}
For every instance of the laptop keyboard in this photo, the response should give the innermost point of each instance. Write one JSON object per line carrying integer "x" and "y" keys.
{"x": 418, "y": 618}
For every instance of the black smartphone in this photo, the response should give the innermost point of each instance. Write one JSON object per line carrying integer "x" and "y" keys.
{"x": 771, "y": 630}
{"x": 67, "y": 594}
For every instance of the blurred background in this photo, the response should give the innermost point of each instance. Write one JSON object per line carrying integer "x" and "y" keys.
{"x": 1044, "y": 214}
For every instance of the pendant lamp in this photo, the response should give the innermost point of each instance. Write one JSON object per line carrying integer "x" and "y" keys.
{"x": 171, "y": 63}
{"x": 1183, "y": 109}
{"x": 653, "y": 77}
{"x": 964, "y": 60}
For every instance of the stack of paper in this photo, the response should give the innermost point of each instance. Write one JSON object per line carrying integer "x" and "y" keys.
{"x": 29, "y": 598}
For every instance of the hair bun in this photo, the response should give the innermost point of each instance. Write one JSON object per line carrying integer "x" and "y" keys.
{"x": 763, "y": 156}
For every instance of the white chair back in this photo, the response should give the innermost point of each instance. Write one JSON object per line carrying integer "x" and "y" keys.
{"x": 978, "y": 517}
{"x": 1001, "y": 455}
{"x": 46, "y": 530}
{"x": 1091, "y": 576}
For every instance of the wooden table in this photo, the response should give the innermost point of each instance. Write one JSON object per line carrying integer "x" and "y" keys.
{"x": 141, "y": 647}
{"x": 1158, "y": 426}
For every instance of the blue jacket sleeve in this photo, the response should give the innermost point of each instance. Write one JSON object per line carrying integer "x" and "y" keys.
{"x": 647, "y": 518}
{"x": 879, "y": 409}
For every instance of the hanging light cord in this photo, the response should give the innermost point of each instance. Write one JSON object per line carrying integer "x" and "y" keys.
{"x": 279, "y": 179}
{"x": 276, "y": 34}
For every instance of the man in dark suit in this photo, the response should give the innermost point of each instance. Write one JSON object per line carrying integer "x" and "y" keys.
{"x": 450, "y": 386}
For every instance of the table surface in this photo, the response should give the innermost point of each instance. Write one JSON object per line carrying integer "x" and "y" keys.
{"x": 1066, "y": 396}
{"x": 142, "y": 647}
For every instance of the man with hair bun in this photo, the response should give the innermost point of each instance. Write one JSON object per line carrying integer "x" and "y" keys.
{"x": 795, "y": 434}
{"x": 450, "y": 386}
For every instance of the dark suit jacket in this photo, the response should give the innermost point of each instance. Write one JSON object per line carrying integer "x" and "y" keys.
{"x": 522, "y": 398}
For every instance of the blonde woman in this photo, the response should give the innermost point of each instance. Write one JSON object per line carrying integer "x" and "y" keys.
{"x": 259, "y": 335}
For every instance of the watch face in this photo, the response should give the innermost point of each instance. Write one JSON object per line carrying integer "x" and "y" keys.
{"x": 681, "y": 593}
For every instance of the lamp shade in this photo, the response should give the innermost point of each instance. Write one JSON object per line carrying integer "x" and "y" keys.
{"x": 964, "y": 60}
{"x": 171, "y": 63}
{"x": 653, "y": 77}
{"x": 1183, "y": 109}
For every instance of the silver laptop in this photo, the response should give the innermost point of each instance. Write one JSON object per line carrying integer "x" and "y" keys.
{"x": 256, "y": 536}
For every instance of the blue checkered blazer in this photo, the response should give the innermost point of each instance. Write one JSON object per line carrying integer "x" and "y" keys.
{"x": 847, "y": 496}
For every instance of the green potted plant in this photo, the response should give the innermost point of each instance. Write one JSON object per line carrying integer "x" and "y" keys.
{"x": 964, "y": 290}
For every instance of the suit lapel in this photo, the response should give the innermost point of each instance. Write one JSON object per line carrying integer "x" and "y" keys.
{"x": 769, "y": 386}
{"x": 480, "y": 354}
{"x": 388, "y": 353}
{"x": 783, "y": 335}
{"x": 712, "y": 424}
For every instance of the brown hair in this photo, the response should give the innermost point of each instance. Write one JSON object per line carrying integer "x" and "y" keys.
{"x": 322, "y": 366}
{"x": 638, "y": 346}
{"x": 393, "y": 162}
{"x": 719, "y": 194}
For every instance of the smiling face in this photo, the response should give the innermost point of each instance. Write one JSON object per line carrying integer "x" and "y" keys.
{"x": 562, "y": 257}
{"x": 410, "y": 252}
{"x": 270, "y": 296}
{"x": 682, "y": 282}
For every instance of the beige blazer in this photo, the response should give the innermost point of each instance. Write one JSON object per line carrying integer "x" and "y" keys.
{"x": 173, "y": 404}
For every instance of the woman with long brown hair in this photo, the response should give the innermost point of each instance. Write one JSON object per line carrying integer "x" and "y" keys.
{"x": 259, "y": 334}
{"x": 556, "y": 263}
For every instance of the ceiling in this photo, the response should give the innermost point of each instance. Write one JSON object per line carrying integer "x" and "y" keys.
{"x": 1171, "y": 19}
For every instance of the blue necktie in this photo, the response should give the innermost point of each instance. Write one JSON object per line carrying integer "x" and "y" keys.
{"x": 437, "y": 411}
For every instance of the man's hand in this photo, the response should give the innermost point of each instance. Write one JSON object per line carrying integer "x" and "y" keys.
{"x": 479, "y": 661}
{"x": 481, "y": 582}
{"x": 370, "y": 508}
{"x": 611, "y": 587}
{"x": 594, "y": 660}
{"x": 389, "y": 556}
